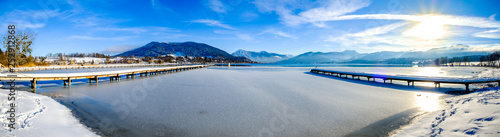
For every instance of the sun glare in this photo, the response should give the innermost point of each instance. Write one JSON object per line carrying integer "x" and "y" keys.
{"x": 428, "y": 101}
{"x": 429, "y": 28}
{"x": 430, "y": 71}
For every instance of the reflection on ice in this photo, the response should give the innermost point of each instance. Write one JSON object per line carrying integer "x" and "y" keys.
{"x": 431, "y": 71}
{"x": 428, "y": 101}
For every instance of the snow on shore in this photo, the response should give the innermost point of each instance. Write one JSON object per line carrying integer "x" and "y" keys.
{"x": 38, "y": 115}
{"x": 476, "y": 114}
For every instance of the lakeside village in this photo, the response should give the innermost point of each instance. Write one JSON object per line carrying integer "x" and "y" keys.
{"x": 82, "y": 59}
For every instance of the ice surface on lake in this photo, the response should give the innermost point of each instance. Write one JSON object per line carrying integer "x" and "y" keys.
{"x": 221, "y": 101}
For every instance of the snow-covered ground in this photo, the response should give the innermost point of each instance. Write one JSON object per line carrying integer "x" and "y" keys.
{"x": 41, "y": 116}
{"x": 476, "y": 114}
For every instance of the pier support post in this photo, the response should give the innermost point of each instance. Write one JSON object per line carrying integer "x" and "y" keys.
{"x": 384, "y": 80}
{"x": 437, "y": 85}
{"x": 467, "y": 87}
{"x": 67, "y": 82}
{"x": 33, "y": 84}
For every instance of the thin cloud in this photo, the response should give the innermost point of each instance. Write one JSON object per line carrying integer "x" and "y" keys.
{"x": 29, "y": 19}
{"x": 130, "y": 29}
{"x": 242, "y": 36}
{"x": 379, "y": 30}
{"x": 215, "y": 23}
{"x": 324, "y": 10}
{"x": 278, "y": 33}
{"x": 492, "y": 34}
{"x": 249, "y": 16}
{"x": 334, "y": 8}
{"x": 492, "y": 17}
{"x": 101, "y": 38}
{"x": 217, "y": 6}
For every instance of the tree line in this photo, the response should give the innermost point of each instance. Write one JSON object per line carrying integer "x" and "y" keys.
{"x": 491, "y": 60}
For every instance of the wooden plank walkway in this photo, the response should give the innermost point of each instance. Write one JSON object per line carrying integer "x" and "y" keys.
{"x": 94, "y": 76}
{"x": 22, "y": 69}
{"x": 410, "y": 79}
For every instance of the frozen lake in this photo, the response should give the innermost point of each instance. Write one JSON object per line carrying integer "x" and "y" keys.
{"x": 246, "y": 101}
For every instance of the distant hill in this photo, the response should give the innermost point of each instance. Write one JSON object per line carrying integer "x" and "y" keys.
{"x": 452, "y": 51}
{"x": 262, "y": 57}
{"x": 193, "y": 49}
{"x": 322, "y": 57}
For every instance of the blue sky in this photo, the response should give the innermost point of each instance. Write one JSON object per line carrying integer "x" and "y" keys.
{"x": 281, "y": 26}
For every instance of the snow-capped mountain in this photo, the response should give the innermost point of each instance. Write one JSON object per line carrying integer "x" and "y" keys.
{"x": 262, "y": 57}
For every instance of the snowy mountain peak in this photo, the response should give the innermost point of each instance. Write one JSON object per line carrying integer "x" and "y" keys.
{"x": 262, "y": 56}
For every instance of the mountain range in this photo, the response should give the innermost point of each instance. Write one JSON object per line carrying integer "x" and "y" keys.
{"x": 350, "y": 56}
{"x": 194, "y": 49}
{"x": 262, "y": 57}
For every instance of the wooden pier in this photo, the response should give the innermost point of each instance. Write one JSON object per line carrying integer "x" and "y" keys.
{"x": 95, "y": 76}
{"x": 22, "y": 69}
{"x": 410, "y": 79}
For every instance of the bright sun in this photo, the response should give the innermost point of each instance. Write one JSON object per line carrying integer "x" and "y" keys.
{"x": 429, "y": 28}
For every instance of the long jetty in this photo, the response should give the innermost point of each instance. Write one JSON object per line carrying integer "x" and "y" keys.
{"x": 410, "y": 79}
{"x": 21, "y": 69}
{"x": 94, "y": 76}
